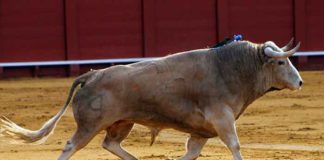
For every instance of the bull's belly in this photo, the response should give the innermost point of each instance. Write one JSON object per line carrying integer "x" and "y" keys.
{"x": 191, "y": 124}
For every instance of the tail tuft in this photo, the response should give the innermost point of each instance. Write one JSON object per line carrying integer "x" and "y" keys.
{"x": 19, "y": 135}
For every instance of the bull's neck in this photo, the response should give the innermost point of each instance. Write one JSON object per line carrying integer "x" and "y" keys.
{"x": 253, "y": 79}
{"x": 260, "y": 86}
{"x": 242, "y": 69}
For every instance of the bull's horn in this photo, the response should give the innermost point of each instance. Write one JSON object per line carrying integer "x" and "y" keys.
{"x": 287, "y": 46}
{"x": 275, "y": 54}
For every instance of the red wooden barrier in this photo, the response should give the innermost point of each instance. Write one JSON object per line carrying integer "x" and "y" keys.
{"x": 109, "y": 29}
{"x": 257, "y": 20}
{"x": 314, "y": 24}
{"x": 173, "y": 26}
{"x": 31, "y": 31}
{"x": 39, "y": 30}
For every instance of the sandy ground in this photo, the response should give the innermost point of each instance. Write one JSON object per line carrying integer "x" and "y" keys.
{"x": 281, "y": 125}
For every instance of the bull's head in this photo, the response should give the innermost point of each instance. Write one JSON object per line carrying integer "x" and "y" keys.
{"x": 283, "y": 73}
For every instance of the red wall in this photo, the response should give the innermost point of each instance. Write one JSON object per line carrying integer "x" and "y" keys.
{"x": 39, "y": 30}
{"x": 172, "y": 26}
{"x": 314, "y": 25}
{"x": 84, "y": 29}
{"x": 109, "y": 28}
{"x": 31, "y": 31}
{"x": 257, "y": 20}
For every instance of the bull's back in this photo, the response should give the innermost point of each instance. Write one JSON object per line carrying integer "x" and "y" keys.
{"x": 173, "y": 76}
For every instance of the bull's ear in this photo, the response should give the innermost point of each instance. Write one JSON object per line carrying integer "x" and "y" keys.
{"x": 266, "y": 59}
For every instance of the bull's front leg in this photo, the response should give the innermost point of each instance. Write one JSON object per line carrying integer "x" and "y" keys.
{"x": 223, "y": 121}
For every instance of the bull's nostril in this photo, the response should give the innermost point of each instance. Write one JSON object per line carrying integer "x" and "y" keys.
{"x": 300, "y": 83}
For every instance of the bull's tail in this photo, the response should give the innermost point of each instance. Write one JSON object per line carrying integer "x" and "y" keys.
{"x": 21, "y": 135}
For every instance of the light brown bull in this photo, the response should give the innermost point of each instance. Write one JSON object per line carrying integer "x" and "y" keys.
{"x": 201, "y": 92}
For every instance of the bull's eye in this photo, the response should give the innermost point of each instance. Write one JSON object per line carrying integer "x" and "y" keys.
{"x": 281, "y": 62}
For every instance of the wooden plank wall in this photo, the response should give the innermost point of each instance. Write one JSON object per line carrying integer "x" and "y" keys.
{"x": 40, "y": 30}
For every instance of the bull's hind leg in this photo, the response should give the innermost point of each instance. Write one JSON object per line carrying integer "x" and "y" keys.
{"x": 88, "y": 113}
{"x": 80, "y": 139}
{"x": 194, "y": 146}
{"x": 115, "y": 135}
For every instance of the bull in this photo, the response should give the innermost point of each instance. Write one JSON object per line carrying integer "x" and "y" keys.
{"x": 201, "y": 92}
